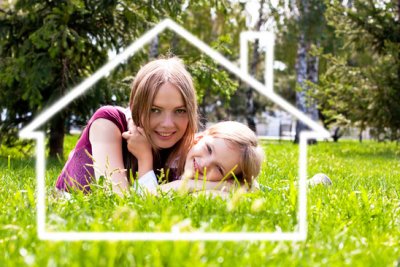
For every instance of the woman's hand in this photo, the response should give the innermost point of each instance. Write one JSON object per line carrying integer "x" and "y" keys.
{"x": 140, "y": 147}
{"x": 137, "y": 142}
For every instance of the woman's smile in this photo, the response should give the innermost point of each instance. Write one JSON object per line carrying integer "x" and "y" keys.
{"x": 168, "y": 119}
{"x": 165, "y": 135}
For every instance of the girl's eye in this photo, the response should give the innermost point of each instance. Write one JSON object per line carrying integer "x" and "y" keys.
{"x": 181, "y": 111}
{"x": 220, "y": 170}
{"x": 155, "y": 110}
{"x": 209, "y": 149}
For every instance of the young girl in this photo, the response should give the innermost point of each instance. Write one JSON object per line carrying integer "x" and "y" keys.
{"x": 226, "y": 151}
{"x": 163, "y": 103}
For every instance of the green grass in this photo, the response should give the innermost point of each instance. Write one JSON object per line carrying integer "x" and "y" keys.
{"x": 355, "y": 222}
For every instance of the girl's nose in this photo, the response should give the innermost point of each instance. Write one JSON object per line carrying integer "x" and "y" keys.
{"x": 207, "y": 162}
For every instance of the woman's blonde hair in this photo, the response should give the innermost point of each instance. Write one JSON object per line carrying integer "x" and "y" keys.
{"x": 244, "y": 139}
{"x": 144, "y": 88}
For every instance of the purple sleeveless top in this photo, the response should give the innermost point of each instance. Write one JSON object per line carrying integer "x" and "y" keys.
{"x": 78, "y": 171}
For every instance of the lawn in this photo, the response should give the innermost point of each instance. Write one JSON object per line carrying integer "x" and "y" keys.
{"x": 355, "y": 222}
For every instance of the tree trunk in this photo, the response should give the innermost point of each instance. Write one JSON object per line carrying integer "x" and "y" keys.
{"x": 336, "y": 134}
{"x": 301, "y": 72}
{"x": 174, "y": 43}
{"x": 57, "y": 123}
{"x": 153, "y": 53}
{"x": 56, "y": 141}
{"x": 398, "y": 51}
{"x": 250, "y": 108}
{"x": 202, "y": 113}
{"x": 312, "y": 76}
{"x": 350, "y": 3}
{"x": 398, "y": 9}
{"x": 306, "y": 68}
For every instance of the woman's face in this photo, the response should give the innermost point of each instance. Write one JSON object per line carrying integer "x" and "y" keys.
{"x": 213, "y": 159}
{"x": 168, "y": 117}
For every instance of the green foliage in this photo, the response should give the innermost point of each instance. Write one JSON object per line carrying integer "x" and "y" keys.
{"x": 221, "y": 31}
{"x": 361, "y": 86}
{"x": 47, "y": 48}
{"x": 354, "y": 222}
{"x": 210, "y": 80}
{"x": 299, "y": 18}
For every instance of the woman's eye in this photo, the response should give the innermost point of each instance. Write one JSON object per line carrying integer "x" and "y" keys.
{"x": 181, "y": 111}
{"x": 155, "y": 110}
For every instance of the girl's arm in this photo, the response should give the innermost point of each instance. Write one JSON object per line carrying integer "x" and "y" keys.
{"x": 191, "y": 185}
{"x": 214, "y": 193}
{"x": 106, "y": 141}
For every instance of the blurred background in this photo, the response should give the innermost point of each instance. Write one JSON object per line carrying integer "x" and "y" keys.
{"x": 337, "y": 61}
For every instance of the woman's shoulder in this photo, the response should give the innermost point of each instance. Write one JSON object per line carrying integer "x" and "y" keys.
{"x": 115, "y": 114}
{"x": 108, "y": 110}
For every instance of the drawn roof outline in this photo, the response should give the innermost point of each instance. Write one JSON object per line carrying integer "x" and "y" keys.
{"x": 146, "y": 38}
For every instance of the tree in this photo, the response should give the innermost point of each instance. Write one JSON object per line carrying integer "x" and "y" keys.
{"x": 300, "y": 29}
{"x": 361, "y": 86}
{"x": 218, "y": 24}
{"x": 310, "y": 29}
{"x": 255, "y": 60}
{"x": 47, "y": 47}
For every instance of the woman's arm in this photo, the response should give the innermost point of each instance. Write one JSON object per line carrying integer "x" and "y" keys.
{"x": 106, "y": 141}
{"x": 139, "y": 147}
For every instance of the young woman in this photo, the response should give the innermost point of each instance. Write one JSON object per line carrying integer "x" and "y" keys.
{"x": 163, "y": 103}
{"x": 226, "y": 151}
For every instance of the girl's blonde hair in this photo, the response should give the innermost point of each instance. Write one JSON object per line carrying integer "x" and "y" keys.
{"x": 244, "y": 139}
{"x": 144, "y": 88}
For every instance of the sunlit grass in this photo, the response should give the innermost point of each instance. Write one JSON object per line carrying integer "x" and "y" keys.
{"x": 354, "y": 222}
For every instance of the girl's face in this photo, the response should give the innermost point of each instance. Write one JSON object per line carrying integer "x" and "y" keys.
{"x": 212, "y": 158}
{"x": 168, "y": 117}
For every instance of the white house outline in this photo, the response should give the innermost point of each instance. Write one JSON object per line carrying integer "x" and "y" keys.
{"x": 30, "y": 132}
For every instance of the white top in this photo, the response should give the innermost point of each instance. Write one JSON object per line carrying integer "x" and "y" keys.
{"x": 147, "y": 181}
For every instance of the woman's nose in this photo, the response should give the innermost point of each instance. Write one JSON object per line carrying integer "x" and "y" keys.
{"x": 167, "y": 120}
